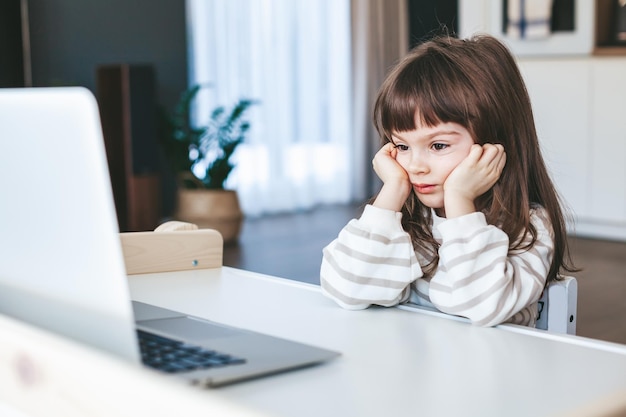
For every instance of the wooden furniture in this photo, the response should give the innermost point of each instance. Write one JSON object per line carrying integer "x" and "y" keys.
{"x": 173, "y": 246}
{"x": 394, "y": 361}
{"x": 604, "y": 25}
{"x": 128, "y": 111}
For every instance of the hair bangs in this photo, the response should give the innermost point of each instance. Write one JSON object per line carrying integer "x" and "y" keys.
{"x": 395, "y": 109}
{"x": 426, "y": 91}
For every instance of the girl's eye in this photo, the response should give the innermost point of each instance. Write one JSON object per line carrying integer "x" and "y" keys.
{"x": 439, "y": 146}
{"x": 401, "y": 147}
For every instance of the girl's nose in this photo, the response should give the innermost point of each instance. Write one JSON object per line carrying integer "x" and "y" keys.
{"x": 418, "y": 164}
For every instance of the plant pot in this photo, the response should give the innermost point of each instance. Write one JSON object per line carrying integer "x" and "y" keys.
{"x": 211, "y": 209}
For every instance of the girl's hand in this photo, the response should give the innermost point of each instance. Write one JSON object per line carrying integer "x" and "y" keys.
{"x": 396, "y": 185}
{"x": 473, "y": 177}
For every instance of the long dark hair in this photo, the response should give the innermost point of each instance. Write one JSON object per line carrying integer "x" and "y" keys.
{"x": 476, "y": 84}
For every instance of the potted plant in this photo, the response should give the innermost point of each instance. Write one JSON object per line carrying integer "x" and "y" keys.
{"x": 200, "y": 158}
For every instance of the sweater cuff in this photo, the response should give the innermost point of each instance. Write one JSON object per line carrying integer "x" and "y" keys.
{"x": 381, "y": 219}
{"x": 462, "y": 225}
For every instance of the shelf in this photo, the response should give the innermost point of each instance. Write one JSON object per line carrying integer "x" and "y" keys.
{"x": 609, "y": 51}
{"x": 604, "y": 30}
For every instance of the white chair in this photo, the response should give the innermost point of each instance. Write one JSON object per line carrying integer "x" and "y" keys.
{"x": 557, "y": 306}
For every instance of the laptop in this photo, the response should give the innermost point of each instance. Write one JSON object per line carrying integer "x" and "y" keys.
{"x": 62, "y": 264}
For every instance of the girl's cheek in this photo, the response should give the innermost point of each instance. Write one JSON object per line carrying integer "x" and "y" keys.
{"x": 402, "y": 159}
{"x": 452, "y": 166}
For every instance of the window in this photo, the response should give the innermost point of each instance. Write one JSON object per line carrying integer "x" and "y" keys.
{"x": 294, "y": 57}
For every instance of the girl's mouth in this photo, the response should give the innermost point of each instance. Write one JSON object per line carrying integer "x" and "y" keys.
{"x": 424, "y": 188}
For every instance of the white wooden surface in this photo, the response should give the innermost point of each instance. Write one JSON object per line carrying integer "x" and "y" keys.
{"x": 44, "y": 375}
{"x": 394, "y": 362}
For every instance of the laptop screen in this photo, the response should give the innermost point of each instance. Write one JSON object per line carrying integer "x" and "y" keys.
{"x": 62, "y": 266}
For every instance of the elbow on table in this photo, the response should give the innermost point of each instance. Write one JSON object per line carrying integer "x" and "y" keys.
{"x": 481, "y": 314}
{"x": 329, "y": 292}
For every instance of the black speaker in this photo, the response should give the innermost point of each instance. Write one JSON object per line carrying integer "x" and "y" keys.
{"x": 128, "y": 110}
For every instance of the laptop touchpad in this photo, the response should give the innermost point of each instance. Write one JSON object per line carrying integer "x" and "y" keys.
{"x": 189, "y": 328}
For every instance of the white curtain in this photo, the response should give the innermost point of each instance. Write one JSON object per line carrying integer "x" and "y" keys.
{"x": 380, "y": 37}
{"x": 294, "y": 57}
{"x": 314, "y": 65}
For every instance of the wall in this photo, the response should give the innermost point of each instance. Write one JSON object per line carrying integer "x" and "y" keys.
{"x": 70, "y": 38}
{"x": 430, "y": 17}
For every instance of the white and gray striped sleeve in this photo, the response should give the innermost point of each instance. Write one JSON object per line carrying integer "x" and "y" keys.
{"x": 371, "y": 262}
{"x": 479, "y": 278}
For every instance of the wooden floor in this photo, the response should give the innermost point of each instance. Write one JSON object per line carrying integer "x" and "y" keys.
{"x": 290, "y": 246}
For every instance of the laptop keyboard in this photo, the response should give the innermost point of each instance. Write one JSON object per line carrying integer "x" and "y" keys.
{"x": 172, "y": 356}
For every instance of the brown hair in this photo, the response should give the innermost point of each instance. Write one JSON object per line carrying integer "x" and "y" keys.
{"x": 477, "y": 84}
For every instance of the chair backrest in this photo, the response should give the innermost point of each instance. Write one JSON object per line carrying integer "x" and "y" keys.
{"x": 557, "y": 306}
{"x": 173, "y": 246}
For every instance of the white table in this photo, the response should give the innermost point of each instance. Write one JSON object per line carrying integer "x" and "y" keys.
{"x": 394, "y": 362}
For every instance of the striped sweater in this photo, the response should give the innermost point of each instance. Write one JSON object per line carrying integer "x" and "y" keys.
{"x": 372, "y": 262}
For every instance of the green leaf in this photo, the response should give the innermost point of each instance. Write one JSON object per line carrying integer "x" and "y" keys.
{"x": 213, "y": 144}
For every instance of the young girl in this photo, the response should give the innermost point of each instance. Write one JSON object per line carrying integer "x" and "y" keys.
{"x": 467, "y": 219}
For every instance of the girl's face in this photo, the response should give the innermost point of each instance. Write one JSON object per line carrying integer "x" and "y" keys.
{"x": 428, "y": 155}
